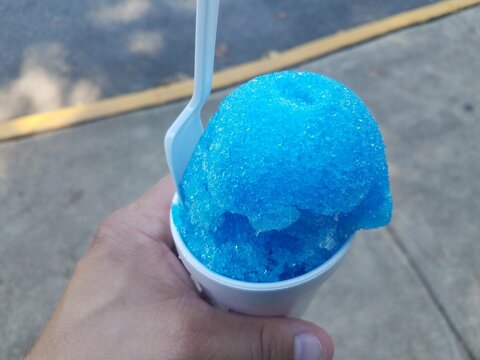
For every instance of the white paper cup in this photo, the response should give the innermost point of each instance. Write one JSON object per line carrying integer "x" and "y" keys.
{"x": 282, "y": 298}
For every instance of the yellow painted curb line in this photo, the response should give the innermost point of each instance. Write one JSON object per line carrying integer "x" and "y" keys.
{"x": 68, "y": 116}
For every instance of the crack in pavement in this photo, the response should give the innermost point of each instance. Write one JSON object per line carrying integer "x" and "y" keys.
{"x": 431, "y": 293}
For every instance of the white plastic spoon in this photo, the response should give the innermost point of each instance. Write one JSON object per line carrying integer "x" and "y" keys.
{"x": 185, "y": 132}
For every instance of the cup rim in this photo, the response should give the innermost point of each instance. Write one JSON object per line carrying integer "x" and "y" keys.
{"x": 187, "y": 255}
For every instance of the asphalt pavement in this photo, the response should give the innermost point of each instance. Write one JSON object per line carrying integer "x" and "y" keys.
{"x": 56, "y": 53}
{"x": 408, "y": 291}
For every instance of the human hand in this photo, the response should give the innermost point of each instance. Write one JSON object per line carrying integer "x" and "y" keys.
{"x": 131, "y": 298}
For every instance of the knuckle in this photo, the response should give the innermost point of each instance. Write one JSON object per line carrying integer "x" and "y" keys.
{"x": 105, "y": 230}
{"x": 114, "y": 237}
{"x": 191, "y": 341}
{"x": 269, "y": 349}
{"x": 111, "y": 228}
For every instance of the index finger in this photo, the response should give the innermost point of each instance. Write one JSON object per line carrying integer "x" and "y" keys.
{"x": 152, "y": 210}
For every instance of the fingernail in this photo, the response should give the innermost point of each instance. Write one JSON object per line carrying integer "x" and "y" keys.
{"x": 308, "y": 347}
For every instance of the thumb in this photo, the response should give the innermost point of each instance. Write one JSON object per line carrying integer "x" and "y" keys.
{"x": 243, "y": 337}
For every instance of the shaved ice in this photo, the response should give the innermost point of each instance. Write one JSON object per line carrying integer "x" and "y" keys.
{"x": 288, "y": 169}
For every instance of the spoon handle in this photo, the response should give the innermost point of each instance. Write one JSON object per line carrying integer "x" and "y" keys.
{"x": 205, "y": 36}
{"x": 183, "y": 135}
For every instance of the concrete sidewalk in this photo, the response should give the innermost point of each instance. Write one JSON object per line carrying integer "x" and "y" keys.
{"x": 409, "y": 291}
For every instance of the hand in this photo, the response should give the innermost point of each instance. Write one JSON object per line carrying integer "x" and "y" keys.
{"x": 130, "y": 298}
